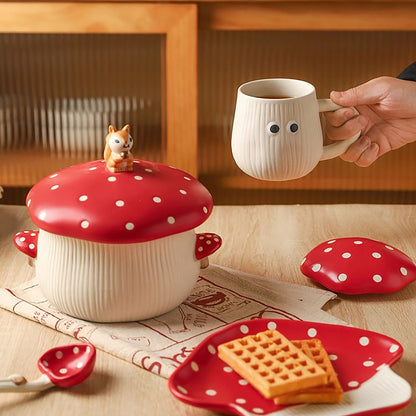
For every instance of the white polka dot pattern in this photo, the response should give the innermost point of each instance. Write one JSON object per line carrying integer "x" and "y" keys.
{"x": 68, "y": 365}
{"x": 359, "y": 265}
{"x": 356, "y": 355}
{"x": 27, "y": 241}
{"x": 151, "y": 202}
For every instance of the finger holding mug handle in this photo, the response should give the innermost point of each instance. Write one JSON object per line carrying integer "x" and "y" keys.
{"x": 333, "y": 150}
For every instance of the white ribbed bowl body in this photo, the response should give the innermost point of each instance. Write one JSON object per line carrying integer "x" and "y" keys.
{"x": 286, "y": 154}
{"x": 116, "y": 282}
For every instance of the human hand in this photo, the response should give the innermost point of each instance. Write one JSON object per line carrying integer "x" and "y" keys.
{"x": 387, "y": 118}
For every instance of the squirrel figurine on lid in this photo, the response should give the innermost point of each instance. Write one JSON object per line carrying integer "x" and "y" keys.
{"x": 117, "y": 153}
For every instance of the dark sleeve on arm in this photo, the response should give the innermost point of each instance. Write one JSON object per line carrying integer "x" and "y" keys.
{"x": 409, "y": 73}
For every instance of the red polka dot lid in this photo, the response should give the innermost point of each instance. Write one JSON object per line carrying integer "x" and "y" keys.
{"x": 356, "y": 265}
{"x": 89, "y": 202}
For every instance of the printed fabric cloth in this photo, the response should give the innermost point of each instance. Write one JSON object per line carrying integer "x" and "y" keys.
{"x": 221, "y": 296}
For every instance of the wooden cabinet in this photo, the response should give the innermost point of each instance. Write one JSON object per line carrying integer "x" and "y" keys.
{"x": 206, "y": 50}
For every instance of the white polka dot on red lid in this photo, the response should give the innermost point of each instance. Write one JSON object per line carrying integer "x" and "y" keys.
{"x": 316, "y": 267}
{"x": 32, "y": 234}
{"x": 333, "y": 357}
{"x": 364, "y": 341}
{"x": 22, "y": 239}
{"x": 403, "y": 271}
{"x": 327, "y": 250}
{"x": 342, "y": 277}
{"x": 83, "y": 198}
{"x": 54, "y": 175}
{"x": 129, "y": 226}
{"x": 331, "y": 242}
{"x": 148, "y": 170}
{"x": 242, "y": 382}
{"x": 377, "y": 278}
{"x": 358, "y": 242}
{"x": 228, "y": 369}
{"x": 194, "y": 366}
{"x": 368, "y": 363}
{"x": 93, "y": 168}
{"x": 205, "y": 209}
{"x": 240, "y": 400}
{"x": 393, "y": 348}
{"x": 63, "y": 370}
{"x": 182, "y": 191}
{"x": 75, "y": 350}
{"x": 389, "y": 248}
{"x": 120, "y": 203}
{"x": 376, "y": 255}
{"x": 353, "y": 383}
{"x": 346, "y": 255}
{"x": 258, "y": 410}
{"x": 188, "y": 179}
{"x": 138, "y": 178}
{"x": 85, "y": 224}
{"x": 111, "y": 179}
{"x": 171, "y": 220}
{"x": 54, "y": 187}
{"x": 45, "y": 363}
{"x": 312, "y": 332}
{"x": 32, "y": 246}
{"x": 211, "y": 392}
{"x": 200, "y": 249}
{"x": 59, "y": 354}
{"x": 157, "y": 199}
{"x": 182, "y": 389}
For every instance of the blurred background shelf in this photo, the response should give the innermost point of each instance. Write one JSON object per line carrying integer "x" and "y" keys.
{"x": 172, "y": 69}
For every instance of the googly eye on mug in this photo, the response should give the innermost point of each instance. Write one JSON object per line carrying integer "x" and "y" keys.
{"x": 273, "y": 128}
{"x": 292, "y": 127}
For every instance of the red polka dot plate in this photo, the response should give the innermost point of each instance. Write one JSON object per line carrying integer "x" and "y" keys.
{"x": 356, "y": 265}
{"x": 361, "y": 358}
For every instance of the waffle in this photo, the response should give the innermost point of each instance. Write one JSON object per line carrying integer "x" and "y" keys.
{"x": 271, "y": 363}
{"x": 331, "y": 392}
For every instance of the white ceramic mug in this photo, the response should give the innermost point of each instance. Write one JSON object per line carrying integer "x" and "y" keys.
{"x": 281, "y": 138}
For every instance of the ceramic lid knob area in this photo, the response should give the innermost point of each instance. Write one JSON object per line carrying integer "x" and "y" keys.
{"x": 27, "y": 242}
{"x": 89, "y": 202}
{"x": 356, "y": 265}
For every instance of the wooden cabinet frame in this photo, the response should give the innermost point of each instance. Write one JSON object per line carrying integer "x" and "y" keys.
{"x": 177, "y": 21}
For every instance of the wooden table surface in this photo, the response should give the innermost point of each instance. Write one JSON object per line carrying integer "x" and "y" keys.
{"x": 264, "y": 240}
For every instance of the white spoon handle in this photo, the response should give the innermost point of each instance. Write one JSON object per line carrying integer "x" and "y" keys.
{"x": 17, "y": 383}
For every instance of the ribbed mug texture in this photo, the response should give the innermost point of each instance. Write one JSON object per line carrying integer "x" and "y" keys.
{"x": 277, "y": 156}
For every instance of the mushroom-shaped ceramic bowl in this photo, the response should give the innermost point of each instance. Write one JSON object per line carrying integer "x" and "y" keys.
{"x": 117, "y": 246}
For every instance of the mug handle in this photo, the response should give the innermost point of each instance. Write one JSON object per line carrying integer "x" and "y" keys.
{"x": 335, "y": 149}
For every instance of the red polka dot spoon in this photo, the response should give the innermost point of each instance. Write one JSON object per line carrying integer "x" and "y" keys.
{"x": 64, "y": 366}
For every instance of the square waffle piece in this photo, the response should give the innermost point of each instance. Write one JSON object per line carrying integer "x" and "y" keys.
{"x": 331, "y": 392}
{"x": 271, "y": 363}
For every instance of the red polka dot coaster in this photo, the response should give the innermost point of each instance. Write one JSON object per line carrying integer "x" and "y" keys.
{"x": 356, "y": 265}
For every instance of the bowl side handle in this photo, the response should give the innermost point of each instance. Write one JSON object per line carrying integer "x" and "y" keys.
{"x": 27, "y": 242}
